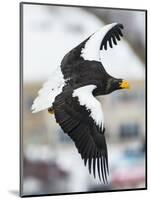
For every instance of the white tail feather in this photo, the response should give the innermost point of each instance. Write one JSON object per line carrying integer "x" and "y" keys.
{"x": 48, "y": 92}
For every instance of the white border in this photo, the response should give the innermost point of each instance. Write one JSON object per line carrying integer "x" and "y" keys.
{"x": 9, "y": 88}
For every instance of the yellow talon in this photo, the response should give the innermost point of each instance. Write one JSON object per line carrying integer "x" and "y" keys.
{"x": 51, "y": 110}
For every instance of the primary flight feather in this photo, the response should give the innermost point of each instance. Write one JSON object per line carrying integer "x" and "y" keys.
{"x": 70, "y": 94}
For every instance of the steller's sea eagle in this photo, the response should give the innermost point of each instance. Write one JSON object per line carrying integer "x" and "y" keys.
{"x": 70, "y": 94}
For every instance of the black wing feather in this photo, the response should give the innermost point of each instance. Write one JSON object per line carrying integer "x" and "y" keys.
{"x": 98, "y": 165}
{"x": 115, "y": 33}
{"x": 114, "y": 40}
{"x": 94, "y": 161}
{"x": 87, "y": 154}
{"x": 88, "y": 138}
{"x": 102, "y": 170}
{"x": 110, "y": 42}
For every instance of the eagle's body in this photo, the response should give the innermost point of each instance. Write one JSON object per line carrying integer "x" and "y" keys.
{"x": 70, "y": 93}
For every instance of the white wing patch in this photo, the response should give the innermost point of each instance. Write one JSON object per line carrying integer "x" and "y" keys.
{"x": 91, "y": 50}
{"x": 49, "y": 91}
{"x": 87, "y": 99}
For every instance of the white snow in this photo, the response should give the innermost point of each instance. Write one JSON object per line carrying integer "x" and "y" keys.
{"x": 91, "y": 50}
{"x": 87, "y": 99}
{"x": 49, "y": 91}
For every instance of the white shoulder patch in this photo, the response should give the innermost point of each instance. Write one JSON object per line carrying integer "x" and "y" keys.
{"x": 87, "y": 99}
{"x": 49, "y": 91}
{"x": 91, "y": 50}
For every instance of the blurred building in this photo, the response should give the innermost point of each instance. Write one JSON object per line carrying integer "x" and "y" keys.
{"x": 124, "y": 112}
{"x": 41, "y": 173}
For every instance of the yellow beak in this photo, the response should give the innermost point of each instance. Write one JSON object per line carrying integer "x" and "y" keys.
{"x": 125, "y": 85}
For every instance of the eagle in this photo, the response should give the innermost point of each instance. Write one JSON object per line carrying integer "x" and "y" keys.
{"x": 70, "y": 94}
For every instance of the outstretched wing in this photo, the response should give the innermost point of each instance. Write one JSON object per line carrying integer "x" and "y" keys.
{"x": 110, "y": 33}
{"x": 90, "y": 48}
{"x": 80, "y": 116}
{"x": 113, "y": 34}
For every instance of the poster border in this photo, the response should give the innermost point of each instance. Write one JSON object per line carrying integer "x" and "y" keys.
{"x": 21, "y": 4}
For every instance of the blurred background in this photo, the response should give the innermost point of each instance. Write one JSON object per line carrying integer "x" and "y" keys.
{"x": 51, "y": 162}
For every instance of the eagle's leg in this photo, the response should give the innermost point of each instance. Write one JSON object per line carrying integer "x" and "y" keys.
{"x": 51, "y": 110}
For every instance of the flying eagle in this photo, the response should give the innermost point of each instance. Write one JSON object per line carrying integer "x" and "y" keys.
{"x": 70, "y": 94}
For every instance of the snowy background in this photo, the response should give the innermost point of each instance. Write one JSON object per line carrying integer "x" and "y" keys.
{"x": 51, "y": 162}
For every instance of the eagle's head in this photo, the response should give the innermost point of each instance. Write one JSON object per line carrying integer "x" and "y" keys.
{"x": 93, "y": 73}
{"x": 105, "y": 83}
{"x": 113, "y": 84}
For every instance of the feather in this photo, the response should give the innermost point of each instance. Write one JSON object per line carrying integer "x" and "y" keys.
{"x": 114, "y": 40}
{"x": 50, "y": 90}
{"x": 86, "y": 132}
{"x": 98, "y": 165}
{"x": 86, "y": 99}
{"x": 94, "y": 161}
{"x": 110, "y": 43}
{"x": 102, "y": 170}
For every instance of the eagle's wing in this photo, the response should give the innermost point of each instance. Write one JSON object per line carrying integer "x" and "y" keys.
{"x": 90, "y": 48}
{"x": 113, "y": 33}
{"x": 80, "y": 115}
{"x": 109, "y": 34}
